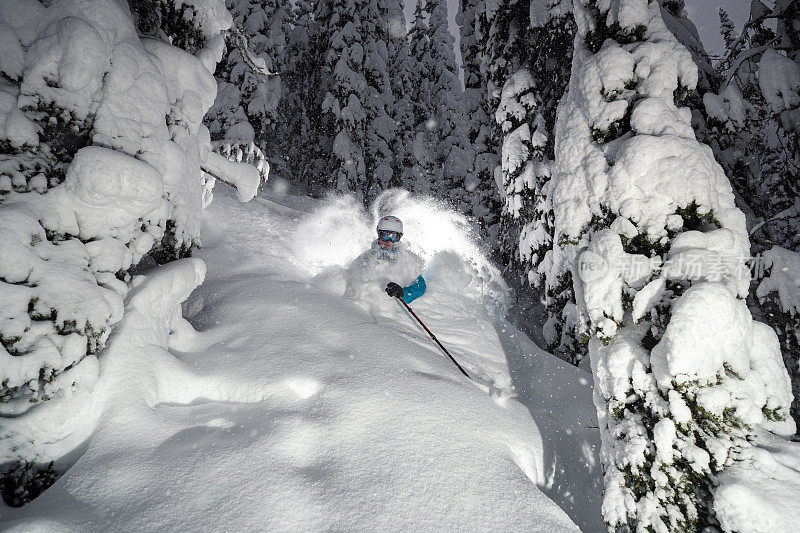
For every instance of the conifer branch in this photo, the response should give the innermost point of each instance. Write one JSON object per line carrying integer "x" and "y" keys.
{"x": 744, "y": 56}
{"x": 216, "y": 177}
{"x": 256, "y": 64}
{"x": 750, "y": 23}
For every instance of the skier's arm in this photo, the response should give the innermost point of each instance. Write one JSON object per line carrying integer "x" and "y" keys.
{"x": 415, "y": 290}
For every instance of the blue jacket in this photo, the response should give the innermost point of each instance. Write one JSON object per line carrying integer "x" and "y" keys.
{"x": 415, "y": 290}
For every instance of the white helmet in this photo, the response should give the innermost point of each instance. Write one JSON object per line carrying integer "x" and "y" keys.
{"x": 390, "y": 224}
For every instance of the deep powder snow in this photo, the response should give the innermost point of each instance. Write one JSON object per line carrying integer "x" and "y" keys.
{"x": 290, "y": 405}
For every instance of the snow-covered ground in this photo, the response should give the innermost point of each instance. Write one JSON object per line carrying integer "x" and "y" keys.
{"x": 289, "y": 405}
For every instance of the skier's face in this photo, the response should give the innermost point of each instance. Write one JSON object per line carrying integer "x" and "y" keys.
{"x": 388, "y": 239}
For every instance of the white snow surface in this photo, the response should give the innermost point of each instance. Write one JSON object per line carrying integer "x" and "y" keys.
{"x": 283, "y": 405}
{"x": 758, "y": 493}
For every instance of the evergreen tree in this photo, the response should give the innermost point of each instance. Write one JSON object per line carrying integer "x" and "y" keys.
{"x": 358, "y": 96}
{"x": 552, "y": 42}
{"x": 526, "y": 172}
{"x": 101, "y": 169}
{"x": 752, "y": 125}
{"x": 453, "y": 152}
{"x": 471, "y": 19}
{"x": 405, "y": 76}
{"x": 424, "y": 150}
{"x": 677, "y": 21}
{"x": 346, "y": 95}
{"x": 787, "y": 13}
{"x": 529, "y": 47}
{"x": 727, "y": 29}
{"x": 733, "y": 118}
{"x": 670, "y": 420}
{"x": 267, "y": 24}
{"x": 246, "y": 108}
{"x": 304, "y": 142}
{"x": 380, "y": 103}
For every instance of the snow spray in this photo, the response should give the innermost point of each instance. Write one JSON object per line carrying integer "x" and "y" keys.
{"x": 340, "y": 229}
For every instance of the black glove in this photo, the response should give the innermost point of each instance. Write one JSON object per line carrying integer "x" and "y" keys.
{"x": 394, "y": 290}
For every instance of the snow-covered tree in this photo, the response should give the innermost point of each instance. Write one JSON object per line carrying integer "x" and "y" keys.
{"x": 645, "y": 220}
{"x": 677, "y": 20}
{"x": 478, "y": 108}
{"x": 346, "y": 91}
{"x": 358, "y": 98}
{"x": 102, "y": 147}
{"x": 752, "y": 123}
{"x": 432, "y": 143}
{"x": 552, "y": 35}
{"x": 752, "y": 118}
{"x": 526, "y": 171}
{"x": 304, "y": 140}
{"x": 405, "y": 74}
{"x": 754, "y": 148}
{"x": 779, "y": 300}
{"x": 507, "y": 27}
{"x": 246, "y": 107}
{"x": 380, "y": 23}
{"x": 424, "y": 171}
{"x": 526, "y": 66}
{"x": 453, "y": 154}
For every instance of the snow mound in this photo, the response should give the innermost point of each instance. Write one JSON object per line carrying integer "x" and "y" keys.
{"x": 757, "y": 493}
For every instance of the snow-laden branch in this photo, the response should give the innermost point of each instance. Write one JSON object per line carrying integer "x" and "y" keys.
{"x": 775, "y": 14}
{"x": 791, "y": 212}
{"x": 744, "y": 56}
{"x": 244, "y": 153}
{"x": 256, "y": 64}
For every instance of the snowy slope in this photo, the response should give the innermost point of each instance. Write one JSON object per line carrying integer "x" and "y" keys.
{"x": 559, "y": 397}
{"x": 291, "y": 407}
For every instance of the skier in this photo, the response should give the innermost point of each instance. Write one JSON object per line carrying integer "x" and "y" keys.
{"x": 390, "y": 230}
{"x": 388, "y": 258}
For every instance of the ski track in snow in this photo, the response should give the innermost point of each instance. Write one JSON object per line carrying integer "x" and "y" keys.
{"x": 290, "y": 408}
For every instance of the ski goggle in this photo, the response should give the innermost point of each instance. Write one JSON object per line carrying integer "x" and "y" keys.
{"x": 389, "y": 236}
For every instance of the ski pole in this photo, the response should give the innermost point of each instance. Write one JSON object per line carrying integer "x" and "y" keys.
{"x": 433, "y": 337}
